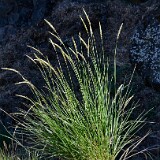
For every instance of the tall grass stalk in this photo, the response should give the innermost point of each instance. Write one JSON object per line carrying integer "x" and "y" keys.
{"x": 92, "y": 122}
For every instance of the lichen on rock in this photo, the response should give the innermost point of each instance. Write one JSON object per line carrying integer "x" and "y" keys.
{"x": 145, "y": 51}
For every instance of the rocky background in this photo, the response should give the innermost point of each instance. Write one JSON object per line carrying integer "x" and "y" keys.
{"x": 22, "y": 23}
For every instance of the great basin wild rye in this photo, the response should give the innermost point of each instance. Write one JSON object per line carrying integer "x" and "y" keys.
{"x": 93, "y": 123}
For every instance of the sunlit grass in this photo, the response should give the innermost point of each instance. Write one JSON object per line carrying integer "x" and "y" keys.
{"x": 92, "y": 122}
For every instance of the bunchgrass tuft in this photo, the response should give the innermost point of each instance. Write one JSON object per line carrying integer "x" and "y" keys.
{"x": 80, "y": 113}
{"x": 7, "y": 156}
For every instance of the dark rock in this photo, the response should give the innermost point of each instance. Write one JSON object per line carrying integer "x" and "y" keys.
{"x": 13, "y": 11}
{"x": 2, "y": 33}
{"x": 25, "y": 3}
{"x": 6, "y": 7}
{"x": 89, "y": 1}
{"x": 6, "y": 31}
{"x": 145, "y": 51}
{"x": 39, "y": 10}
{"x": 13, "y": 18}
{"x": 8, "y": 11}
{"x": 24, "y": 16}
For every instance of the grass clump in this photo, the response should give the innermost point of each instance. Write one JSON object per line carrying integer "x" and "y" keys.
{"x": 92, "y": 122}
{"x": 7, "y": 156}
